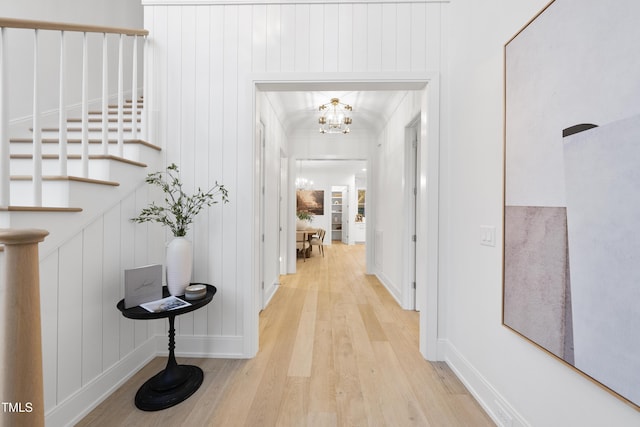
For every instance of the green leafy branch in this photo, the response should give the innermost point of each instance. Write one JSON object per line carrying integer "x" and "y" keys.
{"x": 180, "y": 209}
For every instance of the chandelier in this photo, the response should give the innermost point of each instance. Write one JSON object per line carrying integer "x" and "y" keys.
{"x": 334, "y": 117}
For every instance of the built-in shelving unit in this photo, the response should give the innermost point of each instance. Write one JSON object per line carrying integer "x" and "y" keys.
{"x": 336, "y": 215}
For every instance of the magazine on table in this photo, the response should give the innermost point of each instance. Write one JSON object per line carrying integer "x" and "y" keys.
{"x": 165, "y": 304}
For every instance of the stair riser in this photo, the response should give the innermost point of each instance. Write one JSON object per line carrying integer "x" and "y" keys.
{"x": 102, "y": 169}
{"x": 54, "y": 193}
{"x": 136, "y": 152}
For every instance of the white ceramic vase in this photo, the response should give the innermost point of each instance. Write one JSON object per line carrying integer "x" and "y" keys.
{"x": 179, "y": 265}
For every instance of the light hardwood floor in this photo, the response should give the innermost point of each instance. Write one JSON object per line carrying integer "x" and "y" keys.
{"x": 335, "y": 350}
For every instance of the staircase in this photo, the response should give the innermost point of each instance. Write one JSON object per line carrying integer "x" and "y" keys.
{"x": 80, "y": 175}
{"x": 72, "y": 198}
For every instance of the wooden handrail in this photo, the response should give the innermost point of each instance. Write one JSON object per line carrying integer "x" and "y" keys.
{"x": 60, "y": 26}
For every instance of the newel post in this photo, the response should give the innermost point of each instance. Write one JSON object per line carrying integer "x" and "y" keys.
{"x": 22, "y": 389}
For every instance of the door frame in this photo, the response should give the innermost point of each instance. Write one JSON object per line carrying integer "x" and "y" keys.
{"x": 427, "y": 226}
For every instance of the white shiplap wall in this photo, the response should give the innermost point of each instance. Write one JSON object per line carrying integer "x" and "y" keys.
{"x": 206, "y": 57}
{"x": 88, "y": 347}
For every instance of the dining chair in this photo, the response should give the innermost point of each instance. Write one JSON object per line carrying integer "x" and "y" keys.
{"x": 319, "y": 240}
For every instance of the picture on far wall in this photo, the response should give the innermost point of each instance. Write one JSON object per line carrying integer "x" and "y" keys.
{"x": 571, "y": 282}
{"x": 311, "y": 201}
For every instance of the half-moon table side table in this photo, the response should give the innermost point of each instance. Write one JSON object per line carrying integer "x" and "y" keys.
{"x": 176, "y": 382}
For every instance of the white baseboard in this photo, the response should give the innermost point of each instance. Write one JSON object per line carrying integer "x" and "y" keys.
{"x": 496, "y": 406}
{"x": 270, "y": 292}
{"x": 393, "y": 290}
{"x": 220, "y": 347}
{"x": 78, "y": 405}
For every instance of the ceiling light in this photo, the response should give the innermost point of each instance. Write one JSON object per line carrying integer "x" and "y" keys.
{"x": 335, "y": 117}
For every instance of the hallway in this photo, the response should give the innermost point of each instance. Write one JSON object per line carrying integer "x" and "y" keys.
{"x": 335, "y": 350}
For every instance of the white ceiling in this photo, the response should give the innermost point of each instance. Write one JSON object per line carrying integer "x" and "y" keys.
{"x": 298, "y": 110}
{"x": 296, "y": 105}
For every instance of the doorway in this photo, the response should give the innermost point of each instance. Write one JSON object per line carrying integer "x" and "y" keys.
{"x": 427, "y": 172}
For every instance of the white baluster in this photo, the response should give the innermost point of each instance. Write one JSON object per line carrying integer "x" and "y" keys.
{"x": 120, "y": 97}
{"x": 144, "y": 120}
{"x": 62, "y": 116}
{"x": 37, "y": 131}
{"x": 85, "y": 107}
{"x": 5, "y": 175}
{"x": 105, "y": 96}
{"x": 134, "y": 91}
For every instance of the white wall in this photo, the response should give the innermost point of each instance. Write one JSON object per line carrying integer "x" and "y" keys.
{"x": 496, "y": 363}
{"x": 207, "y": 61}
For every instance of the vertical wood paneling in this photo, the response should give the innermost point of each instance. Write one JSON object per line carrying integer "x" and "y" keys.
{"x": 229, "y": 297}
{"x": 433, "y": 36}
{"x": 258, "y": 26}
{"x": 202, "y": 84}
{"x": 316, "y": 37}
{"x": 185, "y": 323}
{"x": 92, "y": 246}
{"x": 374, "y": 37}
{"x": 127, "y": 254}
{"x": 331, "y": 32}
{"x": 302, "y": 37}
{"x": 389, "y": 37}
{"x": 418, "y": 36}
{"x": 140, "y": 258}
{"x": 360, "y": 31}
{"x": 273, "y": 37}
{"x": 49, "y": 319}
{"x": 241, "y": 230}
{"x": 173, "y": 65}
{"x": 188, "y": 98}
{"x": 403, "y": 38}
{"x": 112, "y": 290}
{"x": 345, "y": 37}
{"x": 243, "y": 39}
{"x": 287, "y": 37}
{"x": 70, "y": 318}
{"x": 216, "y": 161}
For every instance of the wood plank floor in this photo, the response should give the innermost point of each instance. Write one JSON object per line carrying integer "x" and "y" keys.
{"x": 335, "y": 350}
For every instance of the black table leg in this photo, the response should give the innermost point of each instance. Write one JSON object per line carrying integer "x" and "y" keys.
{"x": 172, "y": 385}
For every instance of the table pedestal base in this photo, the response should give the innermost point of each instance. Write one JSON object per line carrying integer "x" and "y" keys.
{"x": 154, "y": 394}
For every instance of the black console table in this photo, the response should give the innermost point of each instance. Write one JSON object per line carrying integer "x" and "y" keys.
{"x": 176, "y": 382}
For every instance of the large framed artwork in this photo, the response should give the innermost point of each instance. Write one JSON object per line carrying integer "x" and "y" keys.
{"x": 572, "y": 188}
{"x": 311, "y": 201}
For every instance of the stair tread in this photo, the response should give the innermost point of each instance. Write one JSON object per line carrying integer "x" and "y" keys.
{"x": 99, "y": 120}
{"x": 65, "y": 178}
{"x": 38, "y": 209}
{"x": 79, "y": 157}
{"x": 91, "y": 129}
{"x": 91, "y": 141}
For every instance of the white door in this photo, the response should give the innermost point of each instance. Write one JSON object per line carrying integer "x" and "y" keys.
{"x": 411, "y": 192}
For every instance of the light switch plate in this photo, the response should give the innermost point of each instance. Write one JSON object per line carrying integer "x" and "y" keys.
{"x": 488, "y": 235}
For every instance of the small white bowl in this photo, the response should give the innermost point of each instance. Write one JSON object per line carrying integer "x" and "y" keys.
{"x": 194, "y": 292}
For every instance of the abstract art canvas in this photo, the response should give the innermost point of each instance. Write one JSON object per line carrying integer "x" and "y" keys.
{"x": 572, "y": 188}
